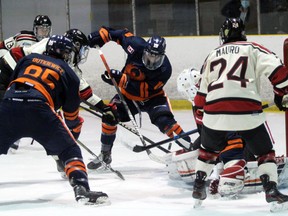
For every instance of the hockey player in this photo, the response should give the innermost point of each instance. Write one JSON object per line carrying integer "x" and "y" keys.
{"x": 232, "y": 110}
{"x": 41, "y": 29}
{"x": 79, "y": 56}
{"x": 41, "y": 85}
{"x": 141, "y": 81}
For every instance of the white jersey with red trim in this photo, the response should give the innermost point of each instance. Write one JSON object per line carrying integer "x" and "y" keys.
{"x": 230, "y": 87}
{"x": 14, "y": 55}
{"x": 22, "y": 39}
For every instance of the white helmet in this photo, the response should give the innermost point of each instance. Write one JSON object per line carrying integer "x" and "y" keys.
{"x": 187, "y": 83}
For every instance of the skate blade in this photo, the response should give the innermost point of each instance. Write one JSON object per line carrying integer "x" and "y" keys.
{"x": 278, "y": 207}
{"x": 197, "y": 203}
{"x": 63, "y": 175}
{"x": 101, "y": 201}
{"x": 101, "y": 169}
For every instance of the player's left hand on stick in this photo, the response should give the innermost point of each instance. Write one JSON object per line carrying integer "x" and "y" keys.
{"x": 281, "y": 98}
{"x": 110, "y": 114}
{"x": 77, "y": 129}
{"x": 116, "y": 74}
{"x": 285, "y": 102}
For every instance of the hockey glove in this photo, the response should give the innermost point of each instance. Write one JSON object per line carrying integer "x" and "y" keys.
{"x": 281, "y": 98}
{"x": 99, "y": 37}
{"x": 110, "y": 114}
{"x": 281, "y": 102}
{"x": 116, "y": 74}
{"x": 77, "y": 129}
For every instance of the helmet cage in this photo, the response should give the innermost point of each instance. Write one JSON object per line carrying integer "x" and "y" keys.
{"x": 152, "y": 61}
{"x": 42, "y": 31}
{"x": 80, "y": 42}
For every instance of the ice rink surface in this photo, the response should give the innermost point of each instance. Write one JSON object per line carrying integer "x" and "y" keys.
{"x": 31, "y": 186}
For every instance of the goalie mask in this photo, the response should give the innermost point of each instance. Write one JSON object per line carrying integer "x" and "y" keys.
{"x": 187, "y": 82}
{"x": 81, "y": 44}
{"x": 233, "y": 29}
{"x": 42, "y": 27}
{"x": 154, "y": 54}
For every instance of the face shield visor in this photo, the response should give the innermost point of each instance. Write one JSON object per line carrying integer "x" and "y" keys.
{"x": 80, "y": 54}
{"x": 42, "y": 32}
{"x": 152, "y": 61}
{"x": 83, "y": 54}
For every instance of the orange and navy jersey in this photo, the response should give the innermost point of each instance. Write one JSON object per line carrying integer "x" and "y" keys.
{"x": 42, "y": 77}
{"x": 138, "y": 83}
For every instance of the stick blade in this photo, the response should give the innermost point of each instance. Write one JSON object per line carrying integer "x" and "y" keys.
{"x": 138, "y": 148}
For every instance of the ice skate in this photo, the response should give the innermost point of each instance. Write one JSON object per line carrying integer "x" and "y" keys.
{"x": 97, "y": 163}
{"x": 277, "y": 200}
{"x": 86, "y": 197}
{"x": 199, "y": 189}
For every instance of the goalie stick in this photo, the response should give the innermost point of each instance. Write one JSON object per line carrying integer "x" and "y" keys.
{"x": 103, "y": 163}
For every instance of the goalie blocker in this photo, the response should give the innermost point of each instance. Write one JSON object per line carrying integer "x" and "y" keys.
{"x": 181, "y": 166}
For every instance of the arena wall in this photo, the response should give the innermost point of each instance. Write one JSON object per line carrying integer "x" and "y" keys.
{"x": 183, "y": 52}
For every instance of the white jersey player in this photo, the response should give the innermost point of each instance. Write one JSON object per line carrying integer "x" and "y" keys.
{"x": 41, "y": 29}
{"x": 181, "y": 164}
{"x": 229, "y": 97}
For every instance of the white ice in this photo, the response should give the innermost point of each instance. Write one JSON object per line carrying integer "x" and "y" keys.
{"x": 31, "y": 186}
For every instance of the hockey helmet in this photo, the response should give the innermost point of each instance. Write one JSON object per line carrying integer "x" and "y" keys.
{"x": 60, "y": 46}
{"x": 42, "y": 27}
{"x": 81, "y": 44}
{"x": 233, "y": 29}
{"x": 154, "y": 53}
{"x": 187, "y": 82}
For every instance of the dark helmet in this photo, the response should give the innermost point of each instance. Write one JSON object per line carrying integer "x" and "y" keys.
{"x": 233, "y": 29}
{"x": 81, "y": 44}
{"x": 42, "y": 26}
{"x": 77, "y": 37}
{"x": 60, "y": 47}
{"x": 154, "y": 54}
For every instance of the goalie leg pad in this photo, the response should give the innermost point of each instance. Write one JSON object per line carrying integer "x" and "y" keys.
{"x": 231, "y": 180}
{"x": 185, "y": 164}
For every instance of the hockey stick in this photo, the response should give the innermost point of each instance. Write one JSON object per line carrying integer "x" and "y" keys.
{"x": 265, "y": 106}
{"x": 94, "y": 112}
{"x": 103, "y": 163}
{"x": 151, "y": 156}
{"x": 138, "y": 148}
